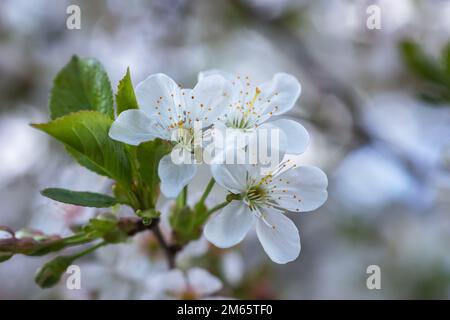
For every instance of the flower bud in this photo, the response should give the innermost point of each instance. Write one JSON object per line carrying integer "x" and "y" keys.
{"x": 103, "y": 223}
{"x": 50, "y": 273}
{"x": 147, "y": 215}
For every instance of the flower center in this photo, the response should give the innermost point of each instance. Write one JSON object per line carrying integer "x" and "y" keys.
{"x": 184, "y": 137}
{"x": 245, "y": 116}
{"x": 255, "y": 196}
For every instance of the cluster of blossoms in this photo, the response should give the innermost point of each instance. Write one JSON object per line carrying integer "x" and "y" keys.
{"x": 232, "y": 108}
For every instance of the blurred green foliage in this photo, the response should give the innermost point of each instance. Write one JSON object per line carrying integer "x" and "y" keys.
{"x": 432, "y": 73}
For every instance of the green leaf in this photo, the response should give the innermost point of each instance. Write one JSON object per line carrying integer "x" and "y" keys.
{"x": 85, "y": 199}
{"x": 85, "y": 162}
{"x": 125, "y": 97}
{"x": 103, "y": 223}
{"x": 125, "y": 196}
{"x": 107, "y": 225}
{"x": 81, "y": 85}
{"x": 148, "y": 155}
{"x": 86, "y": 133}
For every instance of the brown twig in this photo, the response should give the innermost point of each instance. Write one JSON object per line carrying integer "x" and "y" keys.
{"x": 168, "y": 250}
{"x": 134, "y": 225}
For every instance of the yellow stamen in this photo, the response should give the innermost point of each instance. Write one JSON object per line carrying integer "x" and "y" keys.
{"x": 252, "y": 103}
{"x": 265, "y": 179}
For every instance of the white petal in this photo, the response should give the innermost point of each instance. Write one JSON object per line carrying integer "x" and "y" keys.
{"x": 278, "y": 95}
{"x": 268, "y": 145}
{"x": 227, "y": 75}
{"x": 296, "y": 134}
{"x": 208, "y": 99}
{"x": 230, "y": 176}
{"x": 202, "y": 282}
{"x": 174, "y": 177}
{"x": 229, "y": 144}
{"x": 237, "y": 85}
{"x": 229, "y": 227}
{"x": 279, "y": 237}
{"x": 159, "y": 96}
{"x": 133, "y": 127}
{"x": 300, "y": 189}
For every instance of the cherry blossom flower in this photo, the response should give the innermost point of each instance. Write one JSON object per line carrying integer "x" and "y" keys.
{"x": 261, "y": 199}
{"x": 168, "y": 112}
{"x": 253, "y": 107}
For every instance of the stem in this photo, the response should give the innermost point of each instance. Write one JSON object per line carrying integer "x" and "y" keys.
{"x": 77, "y": 239}
{"x": 88, "y": 250}
{"x": 182, "y": 198}
{"x": 218, "y": 207}
{"x": 168, "y": 250}
{"x": 134, "y": 225}
{"x": 185, "y": 195}
{"x": 207, "y": 190}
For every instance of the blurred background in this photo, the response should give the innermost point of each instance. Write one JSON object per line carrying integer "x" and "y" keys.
{"x": 375, "y": 101}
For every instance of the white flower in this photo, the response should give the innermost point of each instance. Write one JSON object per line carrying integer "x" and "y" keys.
{"x": 253, "y": 107}
{"x": 168, "y": 112}
{"x": 262, "y": 198}
{"x": 195, "y": 283}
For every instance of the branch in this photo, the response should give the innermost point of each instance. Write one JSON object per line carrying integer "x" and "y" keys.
{"x": 169, "y": 250}
{"x": 34, "y": 243}
{"x": 133, "y": 226}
